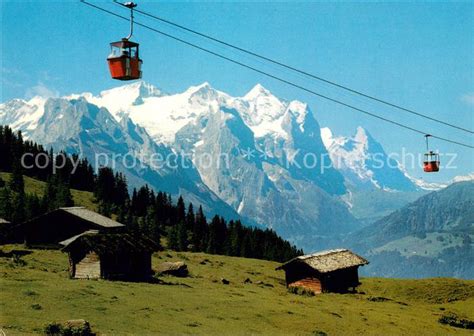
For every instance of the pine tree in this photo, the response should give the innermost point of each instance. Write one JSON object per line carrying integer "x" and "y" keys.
{"x": 154, "y": 225}
{"x": 48, "y": 200}
{"x": 182, "y": 236}
{"x": 143, "y": 226}
{"x": 133, "y": 226}
{"x": 17, "y": 194}
{"x": 33, "y": 207}
{"x": 121, "y": 190}
{"x": 173, "y": 243}
{"x": 246, "y": 247}
{"x": 105, "y": 209}
{"x": 198, "y": 238}
{"x": 17, "y": 183}
{"x": 134, "y": 201}
{"x": 180, "y": 210}
{"x": 213, "y": 240}
{"x": 122, "y": 214}
{"x": 141, "y": 201}
{"x": 234, "y": 238}
{"x": 105, "y": 185}
{"x": 63, "y": 196}
{"x": 57, "y": 194}
{"x": 18, "y": 207}
{"x": 190, "y": 218}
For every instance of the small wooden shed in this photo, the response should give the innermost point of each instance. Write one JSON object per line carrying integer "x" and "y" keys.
{"x": 6, "y": 234}
{"x": 93, "y": 255}
{"x": 325, "y": 271}
{"x": 53, "y": 227}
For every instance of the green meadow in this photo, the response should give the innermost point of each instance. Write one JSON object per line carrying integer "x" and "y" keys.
{"x": 36, "y": 290}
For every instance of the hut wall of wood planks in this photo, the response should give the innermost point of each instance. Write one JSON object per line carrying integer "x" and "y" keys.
{"x": 87, "y": 268}
{"x": 94, "y": 255}
{"x": 325, "y": 271}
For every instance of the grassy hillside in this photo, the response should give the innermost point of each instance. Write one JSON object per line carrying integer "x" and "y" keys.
{"x": 32, "y": 186}
{"x": 39, "y": 291}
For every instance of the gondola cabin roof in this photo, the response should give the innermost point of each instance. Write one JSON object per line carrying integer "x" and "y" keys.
{"x": 328, "y": 261}
{"x": 124, "y": 43}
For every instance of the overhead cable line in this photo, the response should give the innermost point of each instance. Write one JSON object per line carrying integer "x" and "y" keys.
{"x": 276, "y": 77}
{"x": 272, "y": 60}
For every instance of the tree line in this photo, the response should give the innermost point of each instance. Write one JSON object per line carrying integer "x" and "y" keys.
{"x": 143, "y": 211}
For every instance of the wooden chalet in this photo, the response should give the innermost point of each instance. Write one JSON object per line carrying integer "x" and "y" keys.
{"x": 51, "y": 228}
{"x": 119, "y": 256}
{"x": 325, "y": 271}
{"x": 8, "y": 234}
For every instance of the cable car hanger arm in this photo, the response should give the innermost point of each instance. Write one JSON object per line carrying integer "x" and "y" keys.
{"x": 130, "y": 5}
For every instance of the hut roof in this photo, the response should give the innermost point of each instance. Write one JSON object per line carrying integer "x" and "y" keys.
{"x": 329, "y": 261}
{"x": 3, "y": 221}
{"x": 73, "y": 238}
{"x": 107, "y": 244}
{"x": 91, "y": 216}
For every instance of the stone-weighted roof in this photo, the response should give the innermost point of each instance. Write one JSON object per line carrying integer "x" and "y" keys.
{"x": 328, "y": 261}
{"x": 91, "y": 216}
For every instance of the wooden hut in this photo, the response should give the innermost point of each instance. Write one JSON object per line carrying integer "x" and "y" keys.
{"x": 94, "y": 255}
{"x": 325, "y": 271}
{"x": 49, "y": 229}
{"x": 5, "y": 231}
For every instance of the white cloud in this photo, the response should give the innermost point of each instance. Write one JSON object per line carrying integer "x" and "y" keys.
{"x": 12, "y": 78}
{"x": 41, "y": 90}
{"x": 468, "y": 98}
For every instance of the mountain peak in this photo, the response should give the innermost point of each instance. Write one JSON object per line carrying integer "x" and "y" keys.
{"x": 202, "y": 94}
{"x": 257, "y": 91}
{"x": 299, "y": 110}
{"x": 362, "y": 135}
{"x": 327, "y": 136}
{"x": 136, "y": 89}
{"x": 363, "y": 161}
{"x": 203, "y": 87}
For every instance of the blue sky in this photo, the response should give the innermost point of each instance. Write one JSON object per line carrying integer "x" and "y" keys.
{"x": 419, "y": 55}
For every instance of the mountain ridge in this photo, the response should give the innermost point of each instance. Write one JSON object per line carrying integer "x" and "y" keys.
{"x": 432, "y": 236}
{"x": 269, "y": 160}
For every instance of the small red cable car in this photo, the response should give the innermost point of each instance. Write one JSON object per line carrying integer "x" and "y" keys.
{"x": 124, "y": 61}
{"x": 431, "y": 161}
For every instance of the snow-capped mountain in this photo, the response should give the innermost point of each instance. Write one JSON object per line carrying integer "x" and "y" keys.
{"x": 364, "y": 163}
{"x": 22, "y": 115}
{"x": 77, "y": 126}
{"x": 259, "y": 147}
{"x": 258, "y": 156}
{"x": 431, "y": 186}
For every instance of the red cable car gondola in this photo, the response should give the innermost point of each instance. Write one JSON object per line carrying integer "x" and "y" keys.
{"x": 431, "y": 161}
{"x": 124, "y": 61}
